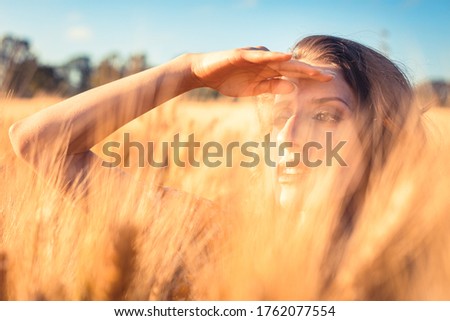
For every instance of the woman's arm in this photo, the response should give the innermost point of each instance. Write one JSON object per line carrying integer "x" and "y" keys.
{"x": 91, "y": 116}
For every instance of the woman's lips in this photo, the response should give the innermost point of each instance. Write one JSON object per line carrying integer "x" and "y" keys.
{"x": 289, "y": 175}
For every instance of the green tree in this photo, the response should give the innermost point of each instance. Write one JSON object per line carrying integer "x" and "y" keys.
{"x": 17, "y": 65}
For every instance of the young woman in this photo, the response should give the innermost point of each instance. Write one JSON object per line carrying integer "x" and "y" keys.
{"x": 331, "y": 94}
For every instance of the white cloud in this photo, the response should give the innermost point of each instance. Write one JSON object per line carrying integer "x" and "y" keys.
{"x": 79, "y": 33}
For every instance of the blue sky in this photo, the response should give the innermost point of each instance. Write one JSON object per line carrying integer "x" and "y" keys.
{"x": 418, "y": 31}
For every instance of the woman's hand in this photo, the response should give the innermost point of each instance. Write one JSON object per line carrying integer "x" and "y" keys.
{"x": 251, "y": 71}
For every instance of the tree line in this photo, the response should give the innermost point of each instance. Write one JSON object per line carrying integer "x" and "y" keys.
{"x": 22, "y": 75}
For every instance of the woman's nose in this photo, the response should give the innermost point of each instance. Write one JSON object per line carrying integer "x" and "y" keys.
{"x": 288, "y": 132}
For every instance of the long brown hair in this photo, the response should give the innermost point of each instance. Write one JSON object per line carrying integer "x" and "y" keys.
{"x": 385, "y": 110}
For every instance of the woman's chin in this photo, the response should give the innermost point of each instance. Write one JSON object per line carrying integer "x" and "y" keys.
{"x": 289, "y": 197}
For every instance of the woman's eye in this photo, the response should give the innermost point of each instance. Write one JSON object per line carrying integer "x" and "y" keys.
{"x": 325, "y": 116}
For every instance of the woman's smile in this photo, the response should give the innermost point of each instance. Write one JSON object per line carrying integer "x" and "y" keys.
{"x": 289, "y": 174}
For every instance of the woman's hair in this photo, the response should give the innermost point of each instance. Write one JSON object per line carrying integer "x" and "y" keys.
{"x": 385, "y": 104}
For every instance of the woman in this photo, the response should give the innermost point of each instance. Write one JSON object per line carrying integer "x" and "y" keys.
{"x": 328, "y": 92}
{"x": 368, "y": 88}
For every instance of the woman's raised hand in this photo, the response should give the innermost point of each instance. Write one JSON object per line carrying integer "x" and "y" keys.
{"x": 252, "y": 71}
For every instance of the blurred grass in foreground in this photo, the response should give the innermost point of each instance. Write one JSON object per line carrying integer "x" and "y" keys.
{"x": 139, "y": 242}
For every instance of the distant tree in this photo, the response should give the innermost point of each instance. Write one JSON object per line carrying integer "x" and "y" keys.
{"x": 135, "y": 64}
{"x": 21, "y": 74}
{"x": 433, "y": 93}
{"x": 108, "y": 70}
{"x": 441, "y": 88}
{"x": 204, "y": 94}
{"x": 384, "y": 42}
{"x": 76, "y": 74}
{"x": 17, "y": 65}
{"x": 47, "y": 80}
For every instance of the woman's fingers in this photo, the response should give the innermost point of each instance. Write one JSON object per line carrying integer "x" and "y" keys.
{"x": 321, "y": 76}
{"x": 261, "y": 55}
{"x": 283, "y": 64}
{"x": 299, "y": 69}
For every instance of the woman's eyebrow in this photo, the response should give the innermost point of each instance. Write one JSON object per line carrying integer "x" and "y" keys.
{"x": 334, "y": 98}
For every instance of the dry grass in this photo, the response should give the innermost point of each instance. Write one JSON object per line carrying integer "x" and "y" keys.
{"x": 138, "y": 242}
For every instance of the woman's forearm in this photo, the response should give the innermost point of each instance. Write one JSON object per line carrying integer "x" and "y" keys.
{"x": 93, "y": 115}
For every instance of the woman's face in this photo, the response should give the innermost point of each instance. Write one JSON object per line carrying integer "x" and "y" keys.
{"x": 316, "y": 135}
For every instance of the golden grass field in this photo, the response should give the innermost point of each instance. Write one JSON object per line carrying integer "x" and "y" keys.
{"x": 132, "y": 243}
